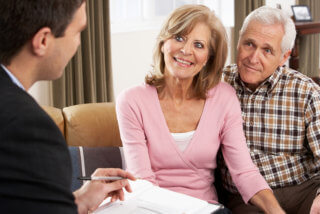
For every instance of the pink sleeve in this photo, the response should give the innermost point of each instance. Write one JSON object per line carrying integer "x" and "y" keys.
{"x": 244, "y": 173}
{"x": 133, "y": 138}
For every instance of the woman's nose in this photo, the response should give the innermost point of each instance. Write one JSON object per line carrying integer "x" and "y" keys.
{"x": 186, "y": 49}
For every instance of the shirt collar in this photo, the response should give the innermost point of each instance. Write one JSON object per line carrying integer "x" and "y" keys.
{"x": 13, "y": 78}
{"x": 274, "y": 78}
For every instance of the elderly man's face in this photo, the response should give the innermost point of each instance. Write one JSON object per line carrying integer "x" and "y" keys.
{"x": 259, "y": 53}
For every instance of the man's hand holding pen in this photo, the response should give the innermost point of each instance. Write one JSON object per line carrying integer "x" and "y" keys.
{"x": 103, "y": 183}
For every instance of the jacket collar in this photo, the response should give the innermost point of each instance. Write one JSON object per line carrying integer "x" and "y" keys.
{"x": 11, "y": 76}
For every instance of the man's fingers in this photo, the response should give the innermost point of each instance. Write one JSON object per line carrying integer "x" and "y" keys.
{"x": 113, "y": 172}
{"x": 121, "y": 195}
{"x": 116, "y": 185}
{"x": 130, "y": 176}
{"x": 114, "y": 197}
{"x": 128, "y": 188}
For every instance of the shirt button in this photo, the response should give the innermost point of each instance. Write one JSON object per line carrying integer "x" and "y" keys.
{"x": 251, "y": 123}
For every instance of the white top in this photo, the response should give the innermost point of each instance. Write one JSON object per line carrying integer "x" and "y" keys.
{"x": 182, "y": 139}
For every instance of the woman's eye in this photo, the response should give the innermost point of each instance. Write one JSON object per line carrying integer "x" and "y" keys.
{"x": 179, "y": 38}
{"x": 198, "y": 45}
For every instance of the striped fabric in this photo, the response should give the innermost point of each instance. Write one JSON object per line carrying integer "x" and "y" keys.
{"x": 282, "y": 126}
{"x": 85, "y": 160}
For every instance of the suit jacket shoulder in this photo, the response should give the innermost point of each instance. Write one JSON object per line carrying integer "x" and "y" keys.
{"x": 34, "y": 160}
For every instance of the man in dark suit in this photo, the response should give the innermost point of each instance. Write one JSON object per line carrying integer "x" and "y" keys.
{"x": 37, "y": 39}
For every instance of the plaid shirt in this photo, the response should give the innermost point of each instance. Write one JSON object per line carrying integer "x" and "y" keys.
{"x": 282, "y": 126}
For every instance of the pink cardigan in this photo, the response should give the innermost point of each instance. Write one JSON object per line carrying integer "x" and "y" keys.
{"x": 152, "y": 154}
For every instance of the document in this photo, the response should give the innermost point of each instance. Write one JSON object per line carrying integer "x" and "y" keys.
{"x": 149, "y": 199}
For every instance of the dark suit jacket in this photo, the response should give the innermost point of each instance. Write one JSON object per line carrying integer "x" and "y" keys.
{"x": 35, "y": 166}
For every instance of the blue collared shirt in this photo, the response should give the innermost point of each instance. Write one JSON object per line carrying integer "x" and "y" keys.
{"x": 13, "y": 78}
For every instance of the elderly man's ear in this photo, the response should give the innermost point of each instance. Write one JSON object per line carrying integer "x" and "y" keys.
{"x": 40, "y": 42}
{"x": 285, "y": 57}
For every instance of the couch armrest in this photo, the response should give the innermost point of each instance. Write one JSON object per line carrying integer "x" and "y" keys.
{"x": 91, "y": 125}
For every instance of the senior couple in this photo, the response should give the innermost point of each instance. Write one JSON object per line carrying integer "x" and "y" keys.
{"x": 174, "y": 125}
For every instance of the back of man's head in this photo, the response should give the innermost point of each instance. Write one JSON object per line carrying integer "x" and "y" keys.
{"x": 270, "y": 16}
{"x": 20, "y": 20}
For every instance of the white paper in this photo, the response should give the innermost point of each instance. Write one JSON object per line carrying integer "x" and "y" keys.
{"x": 149, "y": 199}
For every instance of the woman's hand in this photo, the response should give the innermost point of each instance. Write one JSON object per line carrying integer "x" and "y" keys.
{"x": 267, "y": 202}
{"x": 315, "y": 208}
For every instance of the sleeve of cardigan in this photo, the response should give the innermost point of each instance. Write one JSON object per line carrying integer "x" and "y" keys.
{"x": 133, "y": 137}
{"x": 244, "y": 173}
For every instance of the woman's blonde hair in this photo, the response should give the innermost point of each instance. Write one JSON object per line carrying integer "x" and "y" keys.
{"x": 181, "y": 22}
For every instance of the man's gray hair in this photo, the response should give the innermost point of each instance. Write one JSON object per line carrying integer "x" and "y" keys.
{"x": 269, "y": 16}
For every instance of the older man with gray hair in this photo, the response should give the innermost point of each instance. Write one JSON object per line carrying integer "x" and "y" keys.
{"x": 281, "y": 113}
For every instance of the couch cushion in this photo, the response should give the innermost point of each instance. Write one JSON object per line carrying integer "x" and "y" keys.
{"x": 85, "y": 160}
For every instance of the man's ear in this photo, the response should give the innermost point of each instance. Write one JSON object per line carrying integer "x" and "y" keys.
{"x": 285, "y": 57}
{"x": 41, "y": 41}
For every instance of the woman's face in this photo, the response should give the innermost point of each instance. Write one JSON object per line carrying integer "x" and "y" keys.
{"x": 185, "y": 56}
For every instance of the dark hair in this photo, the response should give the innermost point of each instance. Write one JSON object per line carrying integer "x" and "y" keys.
{"x": 181, "y": 22}
{"x": 20, "y": 20}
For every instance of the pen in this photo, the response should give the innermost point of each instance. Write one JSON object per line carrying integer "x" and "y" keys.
{"x": 101, "y": 178}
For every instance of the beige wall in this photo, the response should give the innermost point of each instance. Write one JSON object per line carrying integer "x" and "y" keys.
{"x": 131, "y": 57}
{"x": 41, "y": 92}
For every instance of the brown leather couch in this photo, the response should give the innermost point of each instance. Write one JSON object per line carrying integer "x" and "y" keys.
{"x": 88, "y": 125}
{"x": 92, "y": 134}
